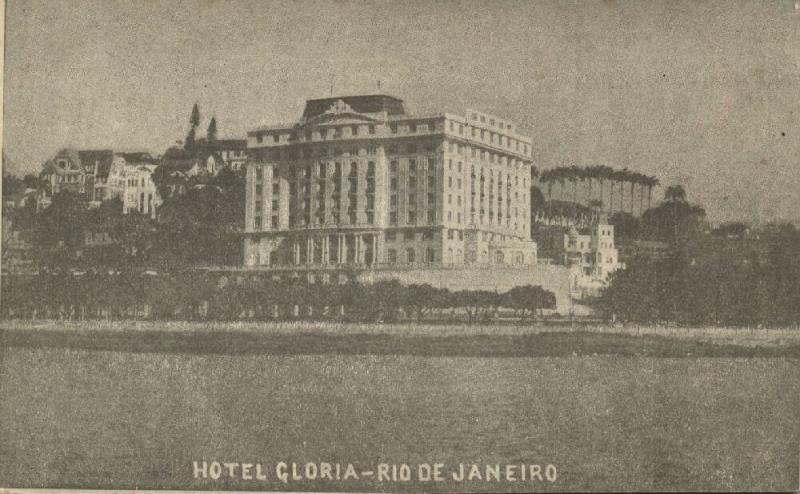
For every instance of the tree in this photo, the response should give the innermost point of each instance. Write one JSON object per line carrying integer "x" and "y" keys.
{"x": 420, "y": 300}
{"x": 189, "y": 143}
{"x": 60, "y": 228}
{"x": 626, "y": 225}
{"x": 211, "y": 133}
{"x": 675, "y": 218}
{"x": 527, "y": 300}
{"x": 30, "y": 181}
{"x": 194, "y": 120}
{"x": 675, "y": 194}
{"x": 11, "y": 185}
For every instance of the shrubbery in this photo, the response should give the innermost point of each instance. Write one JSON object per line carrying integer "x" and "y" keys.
{"x": 197, "y": 295}
{"x": 719, "y": 289}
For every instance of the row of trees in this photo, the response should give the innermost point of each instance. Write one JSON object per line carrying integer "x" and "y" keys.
{"x": 201, "y": 296}
{"x": 673, "y": 218}
{"x": 713, "y": 287}
{"x": 190, "y": 141}
{"x": 600, "y": 175}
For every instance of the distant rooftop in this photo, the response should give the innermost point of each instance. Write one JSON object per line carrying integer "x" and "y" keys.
{"x": 374, "y": 103}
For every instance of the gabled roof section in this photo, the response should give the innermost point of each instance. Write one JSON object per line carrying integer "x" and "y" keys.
{"x": 100, "y": 158}
{"x": 375, "y": 103}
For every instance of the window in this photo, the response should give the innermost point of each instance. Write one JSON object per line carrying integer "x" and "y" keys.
{"x": 393, "y": 166}
{"x": 450, "y": 234}
{"x": 393, "y": 128}
{"x": 371, "y": 129}
{"x": 392, "y": 256}
{"x": 257, "y": 222}
{"x": 276, "y": 138}
{"x": 410, "y": 255}
{"x": 391, "y": 236}
{"x": 393, "y": 218}
{"x": 412, "y": 217}
{"x": 430, "y": 255}
{"x": 276, "y": 189}
{"x": 274, "y": 221}
{"x": 427, "y": 235}
{"x": 258, "y": 206}
{"x": 259, "y": 190}
{"x": 259, "y": 173}
{"x": 354, "y": 130}
{"x": 412, "y": 128}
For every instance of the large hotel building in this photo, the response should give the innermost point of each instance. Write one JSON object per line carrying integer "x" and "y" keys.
{"x": 357, "y": 181}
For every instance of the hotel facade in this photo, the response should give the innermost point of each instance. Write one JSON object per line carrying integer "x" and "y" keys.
{"x": 357, "y": 181}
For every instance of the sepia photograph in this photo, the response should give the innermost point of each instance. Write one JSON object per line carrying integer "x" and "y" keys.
{"x": 400, "y": 246}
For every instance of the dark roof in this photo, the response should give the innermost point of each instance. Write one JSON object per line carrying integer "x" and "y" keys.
{"x": 138, "y": 157}
{"x": 360, "y": 104}
{"x": 102, "y": 158}
{"x": 178, "y": 164}
{"x": 231, "y": 143}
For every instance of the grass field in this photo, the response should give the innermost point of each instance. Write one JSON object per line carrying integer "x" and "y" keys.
{"x": 134, "y": 407}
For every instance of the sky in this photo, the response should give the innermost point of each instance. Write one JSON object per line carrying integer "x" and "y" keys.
{"x": 702, "y": 93}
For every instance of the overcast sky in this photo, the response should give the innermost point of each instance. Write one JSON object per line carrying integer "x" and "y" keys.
{"x": 705, "y": 93}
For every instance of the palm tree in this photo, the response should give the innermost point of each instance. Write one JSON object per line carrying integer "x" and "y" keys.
{"x": 592, "y": 173}
{"x": 595, "y": 206}
{"x": 575, "y": 173}
{"x": 651, "y": 182}
{"x": 675, "y": 193}
{"x": 618, "y": 177}
{"x": 603, "y": 173}
{"x": 635, "y": 179}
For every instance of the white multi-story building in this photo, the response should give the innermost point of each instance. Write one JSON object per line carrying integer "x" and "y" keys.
{"x": 590, "y": 254}
{"x": 130, "y": 179}
{"x": 359, "y": 181}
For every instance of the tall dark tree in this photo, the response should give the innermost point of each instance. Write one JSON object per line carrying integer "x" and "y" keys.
{"x": 211, "y": 133}
{"x": 194, "y": 120}
{"x": 190, "y": 139}
{"x": 30, "y": 181}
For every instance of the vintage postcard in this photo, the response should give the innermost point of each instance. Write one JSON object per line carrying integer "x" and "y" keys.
{"x": 400, "y": 246}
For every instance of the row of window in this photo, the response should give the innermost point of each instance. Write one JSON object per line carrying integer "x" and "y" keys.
{"x": 400, "y": 235}
{"x": 429, "y": 255}
{"x": 319, "y": 134}
{"x": 294, "y": 153}
{"x": 475, "y": 116}
{"x": 490, "y": 137}
{"x": 316, "y": 152}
